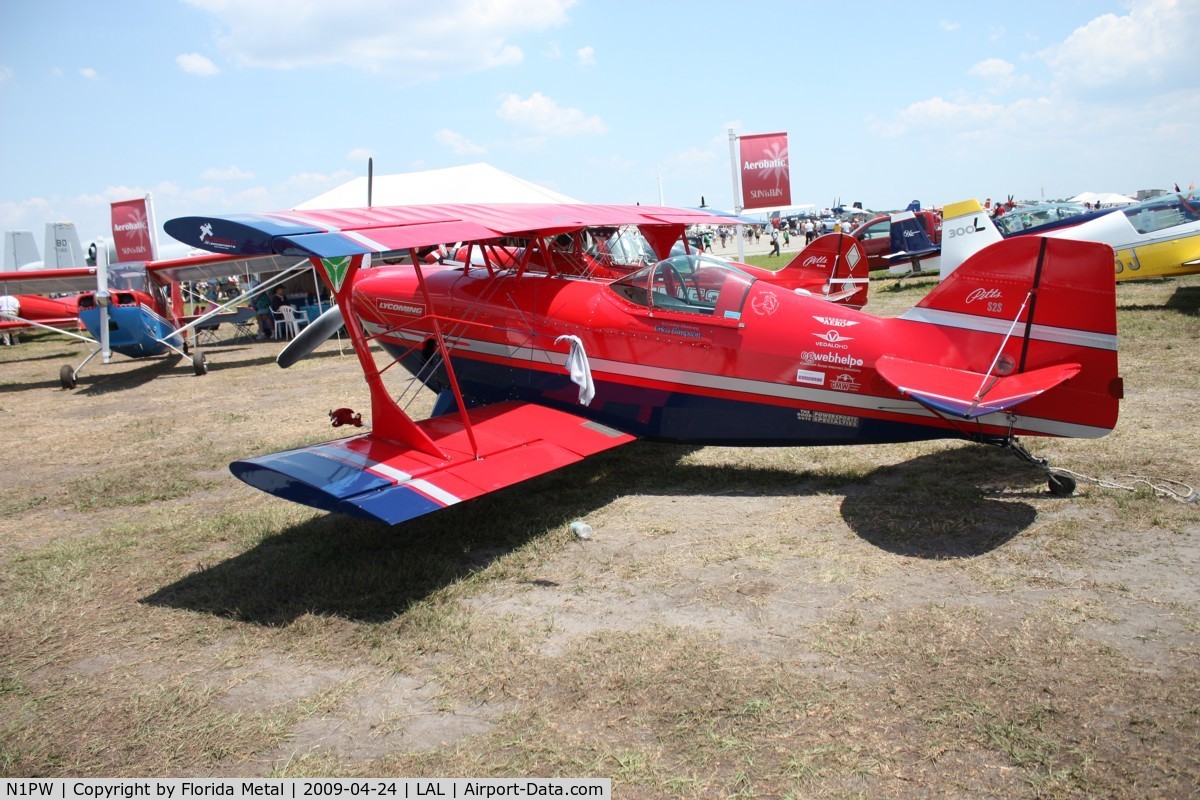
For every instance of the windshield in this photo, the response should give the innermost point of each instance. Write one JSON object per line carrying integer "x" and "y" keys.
{"x": 1023, "y": 217}
{"x": 1165, "y": 211}
{"x": 694, "y": 284}
{"x": 623, "y": 248}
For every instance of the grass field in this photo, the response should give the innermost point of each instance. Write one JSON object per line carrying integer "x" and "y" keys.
{"x": 888, "y": 621}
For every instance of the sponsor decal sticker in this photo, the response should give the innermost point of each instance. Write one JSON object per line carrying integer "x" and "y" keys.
{"x": 833, "y": 339}
{"x": 765, "y": 304}
{"x": 811, "y": 377}
{"x": 845, "y": 382}
{"x": 836, "y": 359}
{"x": 826, "y": 418}
{"x": 836, "y": 322}
{"x": 336, "y": 269}
{"x": 215, "y": 242}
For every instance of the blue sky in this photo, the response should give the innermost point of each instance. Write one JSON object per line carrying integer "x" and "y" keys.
{"x": 222, "y": 106}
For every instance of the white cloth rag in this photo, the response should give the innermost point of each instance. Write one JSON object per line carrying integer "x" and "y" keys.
{"x": 581, "y": 372}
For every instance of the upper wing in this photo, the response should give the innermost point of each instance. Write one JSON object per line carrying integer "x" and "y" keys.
{"x": 48, "y": 281}
{"x": 335, "y": 233}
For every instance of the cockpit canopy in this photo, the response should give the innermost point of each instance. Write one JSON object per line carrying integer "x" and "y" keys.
{"x": 1023, "y": 217}
{"x": 692, "y": 284}
{"x": 1164, "y": 211}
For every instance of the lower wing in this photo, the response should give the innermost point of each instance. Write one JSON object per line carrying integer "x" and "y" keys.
{"x": 386, "y": 481}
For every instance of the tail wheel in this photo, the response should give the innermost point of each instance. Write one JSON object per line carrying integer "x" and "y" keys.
{"x": 199, "y": 363}
{"x": 1061, "y": 485}
{"x": 66, "y": 376}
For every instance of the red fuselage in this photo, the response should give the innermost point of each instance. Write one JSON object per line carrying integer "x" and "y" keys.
{"x": 756, "y": 364}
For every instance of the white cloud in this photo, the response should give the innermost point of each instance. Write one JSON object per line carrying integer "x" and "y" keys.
{"x": 457, "y": 143}
{"x": 1138, "y": 51}
{"x": 411, "y": 39}
{"x": 992, "y": 69}
{"x": 226, "y": 174}
{"x": 89, "y": 73}
{"x": 940, "y": 115}
{"x": 1105, "y": 73}
{"x": 587, "y": 56}
{"x": 196, "y": 64}
{"x": 360, "y": 154}
{"x": 542, "y": 115}
{"x": 6, "y": 74}
{"x": 947, "y": 25}
{"x": 91, "y": 211}
{"x": 996, "y": 72}
{"x": 689, "y": 161}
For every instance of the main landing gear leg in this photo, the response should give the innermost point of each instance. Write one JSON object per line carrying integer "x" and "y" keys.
{"x": 1059, "y": 484}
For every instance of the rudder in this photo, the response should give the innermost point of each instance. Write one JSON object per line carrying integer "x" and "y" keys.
{"x": 966, "y": 229}
{"x": 1053, "y": 302}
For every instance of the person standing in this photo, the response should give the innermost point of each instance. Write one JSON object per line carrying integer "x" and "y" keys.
{"x": 262, "y": 310}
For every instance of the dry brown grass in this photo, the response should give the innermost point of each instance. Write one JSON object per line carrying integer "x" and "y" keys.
{"x": 892, "y": 621}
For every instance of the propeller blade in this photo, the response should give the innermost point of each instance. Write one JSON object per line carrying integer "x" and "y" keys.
{"x": 311, "y": 337}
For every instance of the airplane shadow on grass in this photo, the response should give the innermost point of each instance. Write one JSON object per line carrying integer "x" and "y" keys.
{"x": 929, "y": 507}
{"x": 1184, "y": 300}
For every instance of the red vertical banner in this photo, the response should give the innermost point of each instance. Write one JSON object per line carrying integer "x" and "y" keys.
{"x": 131, "y": 221}
{"x": 766, "y": 180}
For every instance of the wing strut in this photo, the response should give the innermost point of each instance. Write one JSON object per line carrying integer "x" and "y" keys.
{"x": 441, "y": 343}
{"x": 387, "y": 419}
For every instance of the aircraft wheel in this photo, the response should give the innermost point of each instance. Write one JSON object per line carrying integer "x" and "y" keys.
{"x": 199, "y": 363}
{"x": 66, "y": 376}
{"x": 1062, "y": 485}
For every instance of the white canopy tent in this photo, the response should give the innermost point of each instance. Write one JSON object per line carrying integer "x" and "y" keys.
{"x": 1103, "y": 199}
{"x": 470, "y": 183}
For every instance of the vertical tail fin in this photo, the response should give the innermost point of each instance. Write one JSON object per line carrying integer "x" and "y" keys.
{"x": 833, "y": 266}
{"x": 63, "y": 249}
{"x": 1028, "y": 311}
{"x": 19, "y": 249}
{"x": 910, "y": 243}
{"x": 966, "y": 229}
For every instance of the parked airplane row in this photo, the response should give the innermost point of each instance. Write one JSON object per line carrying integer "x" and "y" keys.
{"x": 1155, "y": 238}
{"x": 140, "y": 315}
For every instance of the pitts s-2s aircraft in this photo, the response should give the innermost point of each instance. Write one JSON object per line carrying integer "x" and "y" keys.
{"x": 537, "y": 367}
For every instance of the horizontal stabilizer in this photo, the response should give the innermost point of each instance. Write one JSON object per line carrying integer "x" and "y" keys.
{"x": 378, "y": 479}
{"x": 967, "y": 394}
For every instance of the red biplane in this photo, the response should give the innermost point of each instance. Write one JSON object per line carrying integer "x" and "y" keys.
{"x": 537, "y": 367}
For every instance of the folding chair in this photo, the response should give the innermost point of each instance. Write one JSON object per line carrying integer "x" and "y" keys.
{"x": 206, "y": 334}
{"x": 243, "y": 322}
